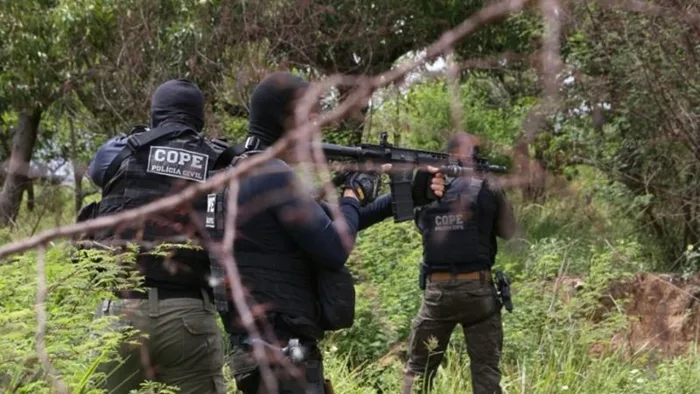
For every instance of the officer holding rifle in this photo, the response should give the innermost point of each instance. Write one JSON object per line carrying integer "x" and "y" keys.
{"x": 289, "y": 255}
{"x": 459, "y": 248}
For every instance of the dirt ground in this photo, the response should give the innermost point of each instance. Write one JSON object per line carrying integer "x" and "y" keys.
{"x": 663, "y": 312}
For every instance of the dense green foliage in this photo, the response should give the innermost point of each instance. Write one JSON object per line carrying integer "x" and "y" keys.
{"x": 628, "y": 103}
{"x": 620, "y": 150}
{"x": 547, "y": 338}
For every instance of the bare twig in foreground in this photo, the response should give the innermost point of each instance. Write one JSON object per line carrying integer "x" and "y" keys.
{"x": 236, "y": 286}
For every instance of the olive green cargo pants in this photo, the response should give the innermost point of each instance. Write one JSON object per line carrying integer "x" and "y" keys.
{"x": 474, "y": 305}
{"x": 178, "y": 344}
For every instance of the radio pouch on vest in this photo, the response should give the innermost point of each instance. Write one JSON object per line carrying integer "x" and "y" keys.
{"x": 475, "y": 185}
{"x": 336, "y": 293}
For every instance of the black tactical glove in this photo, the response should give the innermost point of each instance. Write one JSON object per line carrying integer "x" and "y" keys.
{"x": 365, "y": 185}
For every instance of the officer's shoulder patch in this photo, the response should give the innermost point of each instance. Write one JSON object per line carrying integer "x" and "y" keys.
{"x": 178, "y": 163}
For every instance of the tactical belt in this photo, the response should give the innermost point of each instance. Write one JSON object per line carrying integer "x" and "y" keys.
{"x": 482, "y": 275}
{"x": 163, "y": 294}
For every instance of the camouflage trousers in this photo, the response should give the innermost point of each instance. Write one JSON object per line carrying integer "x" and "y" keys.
{"x": 471, "y": 303}
{"x": 174, "y": 341}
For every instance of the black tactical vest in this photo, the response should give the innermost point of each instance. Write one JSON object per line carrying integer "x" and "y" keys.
{"x": 157, "y": 163}
{"x": 458, "y": 230}
{"x": 283, "y": 284}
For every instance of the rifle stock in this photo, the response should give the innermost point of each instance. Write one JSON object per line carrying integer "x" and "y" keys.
{"x": 402, "y": 175}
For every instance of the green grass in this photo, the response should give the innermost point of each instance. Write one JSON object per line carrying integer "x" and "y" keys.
{"x": 547, "y": 338}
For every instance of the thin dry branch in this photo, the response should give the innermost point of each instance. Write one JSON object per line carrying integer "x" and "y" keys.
{"x": 236, "y": 287}
{"x": 453, "y": 86}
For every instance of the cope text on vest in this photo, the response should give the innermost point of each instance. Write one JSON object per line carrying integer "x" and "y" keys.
{"x": 449, "y": 222}
{"x": 177, "y": 163}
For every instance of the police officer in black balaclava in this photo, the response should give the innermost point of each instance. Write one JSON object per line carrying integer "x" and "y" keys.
{"x": 175, "y": 307}
{"x": 282, "y": 245}
{"x": 272, "y": 106}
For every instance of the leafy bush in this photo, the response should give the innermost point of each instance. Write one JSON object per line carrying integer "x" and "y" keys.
{"x": 556, "y": 340}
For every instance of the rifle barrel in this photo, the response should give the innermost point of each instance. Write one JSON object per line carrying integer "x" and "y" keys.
{"x": 355, "y": 152}
{"x": 333, "y": 151}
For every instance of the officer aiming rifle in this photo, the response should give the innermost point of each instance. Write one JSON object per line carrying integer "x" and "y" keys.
{"x": 459, "y": 234}
{"x": 404, "y": 161}
{"x": 303, "y": 255}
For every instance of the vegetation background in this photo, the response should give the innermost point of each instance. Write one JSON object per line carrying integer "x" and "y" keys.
{"x": 605, "y": 265}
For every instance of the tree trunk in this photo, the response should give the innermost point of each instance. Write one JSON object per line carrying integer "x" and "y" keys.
{"x": 353, "y": 124}
{"x": 78, "y": 168}
{"x": 538, "y": 183}
{"x": 30, "y": 195}
{"x": 532, "y": 176}
{"x": 78, "y": 173}
{"x": 18, "y": 168}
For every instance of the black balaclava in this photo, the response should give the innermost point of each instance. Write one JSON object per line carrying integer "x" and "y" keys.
{"x": 178, "y": 100}
{"x": 269, "y": 105}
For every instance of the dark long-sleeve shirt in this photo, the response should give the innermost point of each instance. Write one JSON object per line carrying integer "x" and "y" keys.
{"x": 306, "y": 223}
{"x": 371, "y": 214}
{"x": 292, "y": 221}
{"x": 104, "y": 156}
{"x": 375, "y": 212}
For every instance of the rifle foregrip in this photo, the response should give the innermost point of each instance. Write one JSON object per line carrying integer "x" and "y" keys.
{"x": 453, "y": 171}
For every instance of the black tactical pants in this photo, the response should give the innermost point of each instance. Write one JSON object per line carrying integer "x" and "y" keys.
{"x": 473, "y": 304}
{"x": 308, "y": 379}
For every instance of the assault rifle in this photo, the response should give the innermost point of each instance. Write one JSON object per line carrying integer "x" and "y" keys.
{"x": 402, "y": 177}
